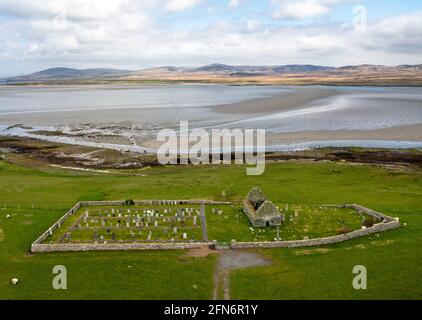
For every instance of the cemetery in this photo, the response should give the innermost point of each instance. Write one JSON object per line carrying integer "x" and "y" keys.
{"x": 129, "y": 222}
{"x": 175, "y": 224}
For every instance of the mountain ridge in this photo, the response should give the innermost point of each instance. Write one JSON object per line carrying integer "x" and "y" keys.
{"x": 218, "y": 71}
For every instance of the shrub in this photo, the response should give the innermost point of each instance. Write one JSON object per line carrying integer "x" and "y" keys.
{"x": 129, "y": 202}
{"x": 368, "y": 222}
{"x": 344, "y": 230}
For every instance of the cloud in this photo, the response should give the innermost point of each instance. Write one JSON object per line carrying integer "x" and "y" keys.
{"x": 133, "y": 34}
{"x": 302, "y": 9}
{"x": 233, "y": 4}
{"x": 77, "y": 9}
{"x": 180, "y": 5}
{"x": 253, "y": 25}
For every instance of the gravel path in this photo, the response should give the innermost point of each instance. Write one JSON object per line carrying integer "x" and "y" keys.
{"x": 232, "y": 260}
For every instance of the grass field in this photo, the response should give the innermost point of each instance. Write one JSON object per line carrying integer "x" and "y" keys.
{"x": 36, "y": 197}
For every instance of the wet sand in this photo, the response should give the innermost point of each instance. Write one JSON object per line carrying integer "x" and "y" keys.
{"x": 399, "y": 134}
{"x": 299, "y": 97}
{"x": 136, "y": 127}
{"x": 403, "y": 133}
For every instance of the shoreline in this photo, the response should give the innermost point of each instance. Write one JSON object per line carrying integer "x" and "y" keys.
{"x": 279, "y": 142}
{"x": 30, "y": 152}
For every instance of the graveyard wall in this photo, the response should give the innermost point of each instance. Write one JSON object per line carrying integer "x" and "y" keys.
{"x": 387, "y": 223}
{"x": 375, "y": 214}
{"x": 37, "y": 243}
{"x": 152, "y": 202}
{"x": 65, "y": 247}
{"x": 381, "y": 227}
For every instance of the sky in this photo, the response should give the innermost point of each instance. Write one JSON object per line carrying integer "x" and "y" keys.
{"x": 138, "y": 34}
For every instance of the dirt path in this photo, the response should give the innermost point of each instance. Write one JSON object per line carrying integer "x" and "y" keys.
{"x": 204, "y": 223}
{"x": 232, "y": 260}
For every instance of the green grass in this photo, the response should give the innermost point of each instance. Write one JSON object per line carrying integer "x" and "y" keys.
{"x": 392, "y": 258}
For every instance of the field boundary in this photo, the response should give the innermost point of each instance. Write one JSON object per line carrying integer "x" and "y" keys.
{"x": 387, "y": 223}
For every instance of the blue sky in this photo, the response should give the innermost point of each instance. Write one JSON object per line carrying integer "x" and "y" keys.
{"x": 136, "y": 34}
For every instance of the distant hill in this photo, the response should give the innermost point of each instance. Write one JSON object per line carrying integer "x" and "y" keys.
{"x": 305, "y": 68}
{"x": 217, "y": 67}
{"x": 262, "y": 69}
{"x": 222, "y": 73}
{"x": 67, "y": 74}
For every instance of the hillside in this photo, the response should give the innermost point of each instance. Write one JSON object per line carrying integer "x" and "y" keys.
{"x": 406, "y": 75}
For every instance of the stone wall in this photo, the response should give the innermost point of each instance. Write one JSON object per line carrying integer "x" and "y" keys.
{"x": 154, "y": 202}
{"x": 65, "y": 247}
{"x": 381, "y": 227}
{"x": 375, "y": 214}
